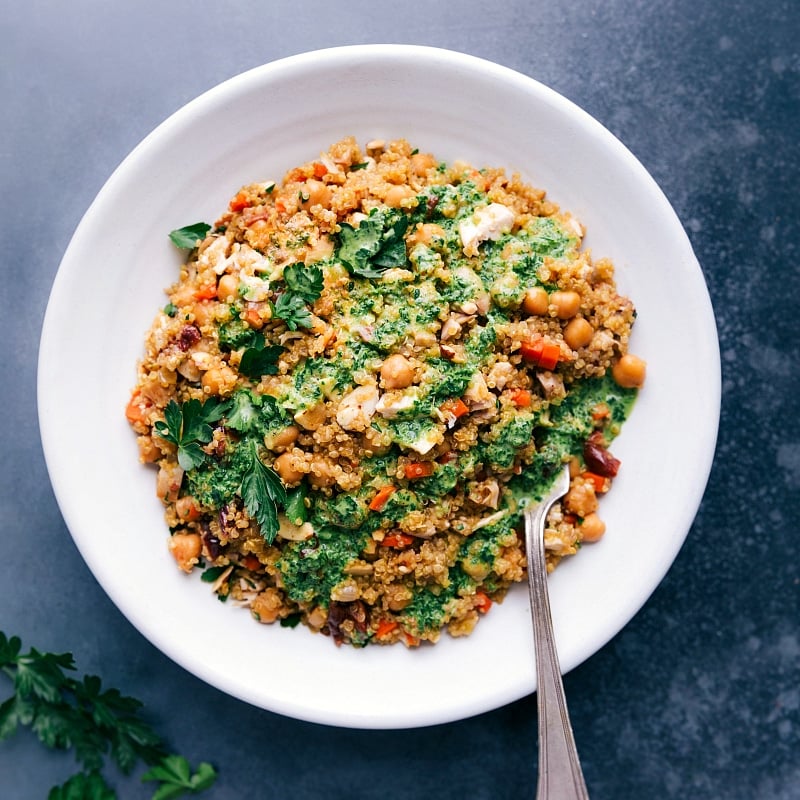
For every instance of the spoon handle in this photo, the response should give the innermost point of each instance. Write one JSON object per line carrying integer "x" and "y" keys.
{"x": 560, "y": 775}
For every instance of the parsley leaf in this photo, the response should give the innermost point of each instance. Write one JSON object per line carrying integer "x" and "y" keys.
{"x": 83, "y": 786}
{"x": 188, "y": 426}
{"x": 262, "y": 490}
{"x": 189, "y": 236}
{"x": 68, "y": 713}
{"x": 376, "y": 245}
{"x": 304, "y": 281}
{"x": 176, "y": 777}
{"x": 260, "y": 360}
{"x": 293, "y": 311}
{"x": 296, "y": 510}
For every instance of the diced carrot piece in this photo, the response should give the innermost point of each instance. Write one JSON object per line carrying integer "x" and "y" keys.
{"x": 455, "y": 407}
{"x": 600, "y": 411}
{"x": 521, "y": 398}
{"x": 320, "y": 170}
{"x": 550, "y": 356}
{"x": 482, "y": 602}
{"x": 541, "y": 353}
{"x": 398, "y": 541}
{"x": 251, "y": 562}
{"x": 531, "y": 351}
{"x": 598, "y": 481}
{"x": 253, "y": 318}
{"x": 385, "y": 627}
{"x": 239, "y": 202}
{"x": 419, "y": 469}
{"x": 383, "y": 494}
{"x": 206, "y": 293}
{"x": 137, "y": 408}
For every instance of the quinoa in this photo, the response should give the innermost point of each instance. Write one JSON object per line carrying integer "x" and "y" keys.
{"x": 362, "y": 377}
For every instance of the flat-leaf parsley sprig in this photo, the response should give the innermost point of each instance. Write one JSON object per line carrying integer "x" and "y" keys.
{"x": 67, "y": 713}
{"x": 188, "y": 426}
{"x": 303, "y": 287}
{"x": 262, "y": 492}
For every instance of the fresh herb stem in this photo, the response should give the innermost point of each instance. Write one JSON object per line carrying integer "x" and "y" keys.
{"x": 67, "y": 713}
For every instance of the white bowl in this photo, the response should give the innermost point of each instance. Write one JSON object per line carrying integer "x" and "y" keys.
{"x": 254, "y": 127}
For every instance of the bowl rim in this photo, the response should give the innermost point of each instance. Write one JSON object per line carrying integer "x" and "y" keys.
{"x": 242, "y": 84}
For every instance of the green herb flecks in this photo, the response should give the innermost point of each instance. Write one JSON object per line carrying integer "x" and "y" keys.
{"x": 376, "y": 245}
{"x": 190, "y": 236}
{"x": 67, "y": 713}
{"x": 188, "y": 427}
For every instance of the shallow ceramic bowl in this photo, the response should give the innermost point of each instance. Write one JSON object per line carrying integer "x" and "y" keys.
{"x": 253, "y": 128}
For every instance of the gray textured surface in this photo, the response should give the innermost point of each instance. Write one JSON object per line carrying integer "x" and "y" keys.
{"x": 699, "y": 695}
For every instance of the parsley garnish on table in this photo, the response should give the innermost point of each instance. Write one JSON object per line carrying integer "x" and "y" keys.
{"x": 68, "y": 713}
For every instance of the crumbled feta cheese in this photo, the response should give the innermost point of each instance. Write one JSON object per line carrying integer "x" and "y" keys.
{"x": 489, "y": 222}
{"x": 426, "y": 442}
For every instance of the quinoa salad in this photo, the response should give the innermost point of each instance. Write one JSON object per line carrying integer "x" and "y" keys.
{"x": 362, "y": 377}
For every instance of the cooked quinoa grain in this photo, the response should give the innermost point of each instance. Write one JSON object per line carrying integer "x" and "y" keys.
{"x": 363, "y": 375}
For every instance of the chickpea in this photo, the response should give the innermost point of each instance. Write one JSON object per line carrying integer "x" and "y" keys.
{"x": 567, "y": 304}
{"x": 578, "y": 333}
{"x": 375, "y": 444}
{"x": 284, "y": 467}
{"x": 266, "y": 606}
{"x": 227, "y": 288}
{"x": 282, "y": 439}
{"x": 395, "y": 196}
{"x": 321, "y": 474}
{"x": 218, "y": 380}
{"x": 476, "y": 569}
{"x": 629, "y": 372}
{"x": 592, "y": 528}
{"x": 421, "y": 163}
{"x": 397, "y": 372}
{"x": 315, "y": 193}
{"x": 203, "y": 313}
{"x": 425, "y": 233}
{"x": 320, "y": 250}
{"x": 185, "y": 549}
{"x": 536, "y": 301}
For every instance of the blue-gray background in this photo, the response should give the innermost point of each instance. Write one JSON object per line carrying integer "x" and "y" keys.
{"x": 698, "y": 696}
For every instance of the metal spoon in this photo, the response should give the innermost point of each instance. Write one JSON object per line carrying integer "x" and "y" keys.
{"x": 560, "y": 775}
